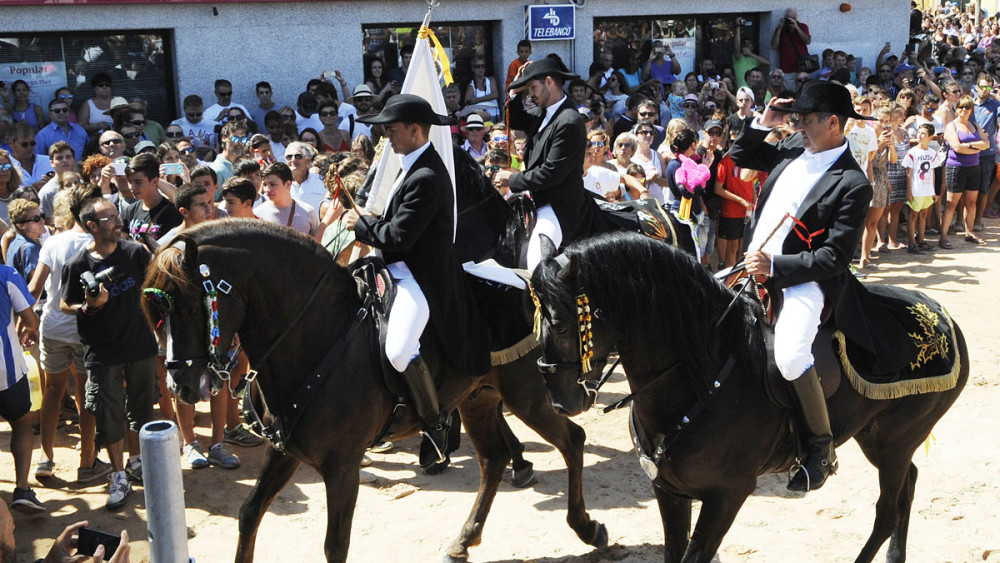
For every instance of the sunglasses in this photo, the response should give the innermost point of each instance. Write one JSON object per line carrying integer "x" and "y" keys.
{"x": 26, "y": 144}
{"x": 964, "y": 107}
{"x": 288, "y": 117}
{"x": 494, "y": 168}
{"x": 985, "y": 87}
{"x": 597, "y": 143}
{"x": 327, "y": 114}
{"x": 500, "y": 139}
{"x": 7, "y": 166}
{"x": 626, "y": 146}
{"x": 647, "y": 132}
{"x": 131, "y": 135}
{"x": 110, "y": 142}
{"x": 175, "y": 135}
{"x": 35, "y": 219}
{"x": 138, "y": 122}
{"x": 235, "y": 116}
{"x": 241, "y": 140}
{"x": 188, "y": 150}
{"x": 647, "y": 114}
{"x": 294, "y": 156}
{"x": 66, "y": 96}
{"x": 59, "y": 110}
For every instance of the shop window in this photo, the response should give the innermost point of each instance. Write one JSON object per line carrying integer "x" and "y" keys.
{"x": 139, "y": 63}
{"x": 462, "y": 41}
{"x": 692, "y": 37}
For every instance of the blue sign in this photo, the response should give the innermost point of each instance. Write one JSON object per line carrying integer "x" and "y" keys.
{"x": 550, "y": 22}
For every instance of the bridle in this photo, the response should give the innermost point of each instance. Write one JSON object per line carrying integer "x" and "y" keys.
{"x": 585, "y": 332}
{"x": 218, "y": 360}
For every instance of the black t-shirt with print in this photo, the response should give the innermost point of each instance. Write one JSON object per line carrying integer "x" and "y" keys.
{"x": 154, "y": 222}
{"x": 118, "y": 332}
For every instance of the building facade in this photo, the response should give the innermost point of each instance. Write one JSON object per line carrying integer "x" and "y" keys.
{"x": 166, "y": 50}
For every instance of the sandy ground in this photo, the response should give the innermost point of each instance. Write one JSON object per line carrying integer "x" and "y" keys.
{"x": 407, "y": 516}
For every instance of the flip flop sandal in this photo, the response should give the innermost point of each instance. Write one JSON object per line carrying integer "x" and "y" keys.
{"x": 945, "y": 245}
{"x": 975, "y": 240}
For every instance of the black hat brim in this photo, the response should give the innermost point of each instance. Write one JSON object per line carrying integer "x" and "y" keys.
{"x": 539, "y": 70}
{"x": 407, "y": 108}
{"x": 799, "y": 108}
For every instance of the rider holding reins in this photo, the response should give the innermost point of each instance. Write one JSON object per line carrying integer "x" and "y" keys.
{"x": 805, "y": 229}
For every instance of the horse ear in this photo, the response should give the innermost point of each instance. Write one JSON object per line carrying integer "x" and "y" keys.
{"x": 547, "y": 247}
{"x": 568, "y": 271}
{"x": 190, "y": 248}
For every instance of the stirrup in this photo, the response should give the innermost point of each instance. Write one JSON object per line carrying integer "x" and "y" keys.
{"x": 437, "y": 449}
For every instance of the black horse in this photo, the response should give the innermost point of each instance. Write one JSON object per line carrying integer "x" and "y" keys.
{"x": 291, "y": 305}
{"x": 702, "y": 435}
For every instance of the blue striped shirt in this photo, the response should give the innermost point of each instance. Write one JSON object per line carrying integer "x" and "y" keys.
{"x": 15, "y": 299}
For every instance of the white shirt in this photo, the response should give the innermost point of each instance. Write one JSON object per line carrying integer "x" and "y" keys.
{"x": 201, "y": 133}
{"x": 789, "y": 191}
{"x": 601, "y": 181}
{"x": 863, "y": 141}
{"x": 551, "y": 111}
{"x": 213, "y": 111}
{"x": 311, "y": 191}
{"x": 56, "y": 251}
{"x": 303, "y": 122}
{"x": 305, "y": 220}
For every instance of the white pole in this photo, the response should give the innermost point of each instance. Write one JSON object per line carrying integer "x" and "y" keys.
{"x": 163, "y": 486}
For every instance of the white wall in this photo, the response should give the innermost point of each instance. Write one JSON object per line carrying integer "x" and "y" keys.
{"x": 289, "y": 43}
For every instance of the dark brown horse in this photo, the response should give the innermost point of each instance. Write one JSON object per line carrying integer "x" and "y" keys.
{"x": 291, "y": 305}
{"x": 699, "y": 407}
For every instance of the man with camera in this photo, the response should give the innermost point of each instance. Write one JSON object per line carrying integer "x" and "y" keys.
{"x": 118, "y": 345}
{"x": 791, "y": 39}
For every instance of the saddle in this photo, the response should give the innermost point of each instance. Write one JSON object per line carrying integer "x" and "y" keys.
{"x": 643, "y": 216}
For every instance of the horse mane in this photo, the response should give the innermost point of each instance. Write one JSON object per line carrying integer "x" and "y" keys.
{"x": 168, "y": 272}
{"x": 658, "y": 298}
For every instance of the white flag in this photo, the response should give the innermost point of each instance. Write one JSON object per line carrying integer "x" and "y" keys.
{"x": 421, "y": 80}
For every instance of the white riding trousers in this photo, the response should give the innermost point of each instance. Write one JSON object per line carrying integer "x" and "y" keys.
{"x": 546, "y": 223}
{"x": 407, "y": 320}
{"x": 796, "y": 329}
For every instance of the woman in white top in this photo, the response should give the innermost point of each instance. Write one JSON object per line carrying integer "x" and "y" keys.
{"x": 482, "y": 91}
{"x": 649, "y": 159}
{"x": 91, "y": 114}
{"x": 625, "y": 145}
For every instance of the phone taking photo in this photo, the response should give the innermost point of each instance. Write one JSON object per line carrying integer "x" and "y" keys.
{"x": 90, "y": 538}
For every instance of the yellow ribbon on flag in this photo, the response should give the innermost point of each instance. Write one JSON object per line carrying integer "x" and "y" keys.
{"x": 439, "y": 53}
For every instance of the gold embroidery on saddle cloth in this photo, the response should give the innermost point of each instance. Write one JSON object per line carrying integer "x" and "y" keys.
{"x": 930, "y": 343}
{"x": 536, "y": 326}
{"x": 655, "y": 228}
{"x": 905, "y": 387}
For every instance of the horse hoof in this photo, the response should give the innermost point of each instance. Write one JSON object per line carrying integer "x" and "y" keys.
{"x": 600, "y": 540}
{"x": 521, "y": 478}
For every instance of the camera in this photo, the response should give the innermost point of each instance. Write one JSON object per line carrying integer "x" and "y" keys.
{"x": 92, "y": 282}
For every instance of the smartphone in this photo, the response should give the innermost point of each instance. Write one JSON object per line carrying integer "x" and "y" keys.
{"x": 90, "y": 539}
{"x": 119, "y": 168}
{"x": 938, "y": 70}
{"x": 713, "y": 83}
{"x": 173, "y": 168}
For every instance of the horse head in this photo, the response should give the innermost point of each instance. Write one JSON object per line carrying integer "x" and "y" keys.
{"x": 575, "y": 340}
{"x": 186, "y": 302}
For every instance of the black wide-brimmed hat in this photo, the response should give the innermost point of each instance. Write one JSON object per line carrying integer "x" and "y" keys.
{"x": 408, "y": 108}
{"x": 538, "y": 70}
{"x": 823, "y": 97}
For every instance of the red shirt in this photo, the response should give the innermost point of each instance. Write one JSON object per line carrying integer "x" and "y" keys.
{"x": 791, "y": 47}
{"x": 512, "y": 71}
{"x": 729, "y": 174}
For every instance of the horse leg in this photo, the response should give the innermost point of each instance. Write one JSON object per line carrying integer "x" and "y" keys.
{"x": 718, "y": 510}
{"x": 341, "y": 480}
{"x": 483, "y": 429}
{"x": 896, "y": 484}
{"x": 675, "y": 512}
{"x": 522, "y": 470}
{"x": 525, "y": 397}
{"x": 897, "y": 542}
{"x": 276, "y": 471}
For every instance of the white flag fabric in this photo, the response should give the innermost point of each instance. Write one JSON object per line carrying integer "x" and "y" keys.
{"x": 421, "y": 80}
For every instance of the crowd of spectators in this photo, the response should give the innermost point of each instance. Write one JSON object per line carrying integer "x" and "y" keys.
{"x": 85, "y": 184}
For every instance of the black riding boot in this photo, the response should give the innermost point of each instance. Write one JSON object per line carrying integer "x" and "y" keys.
{"x": 434, "y": 422}
{"x": 821, "y": 460}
